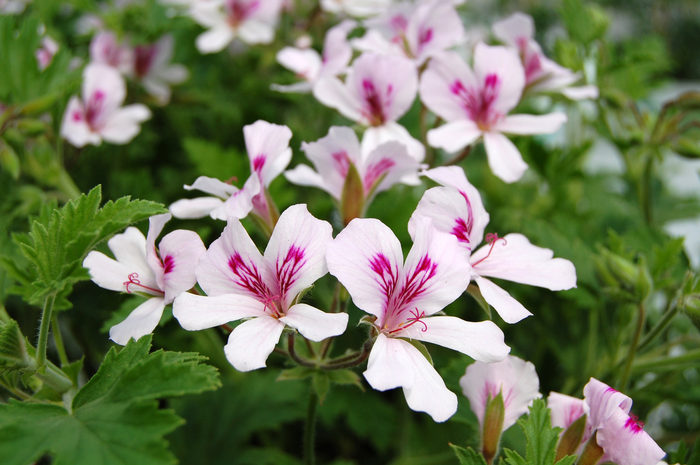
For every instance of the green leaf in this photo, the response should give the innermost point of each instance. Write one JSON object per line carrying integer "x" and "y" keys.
{"x": 541, "y": 439}
{"x": 321, "y": 384}
{"x": 468, "y": 456}
{"x": 345, "y": 377}
{"x": 115, "y": 416}
{"x": 213, "y": 161}
{"x": 295, "y": 373}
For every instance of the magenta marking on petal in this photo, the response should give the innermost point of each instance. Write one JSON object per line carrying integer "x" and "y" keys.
{"x": 478, "y": 103}
{"x": 144, "y": 56}
{"x": 533, "y": 67}
{"x": 77, "y": 116}
{"x": 633, "y": 424}
{"x": 259, "y": 163}
{"x": 398, "y": 24}
{"x": 248, "y": 277}
{"x": 463, "y": 229}
{"x": 93, "y": 108}
{"x": 413, "y": 286}
{"x": 492, "y": 239}
{"x": 388, "y": 276}
{"x": 342, "y": 162}
{"x": 609, "y": 389}
{"x": 376, "y": 171}
{"x": 168, "y": 264}
{"x": 239, "y": 10}
{"x": 286, "y": 272}
{"x": 373, "y": 109}
{"x": 425, "y": 36}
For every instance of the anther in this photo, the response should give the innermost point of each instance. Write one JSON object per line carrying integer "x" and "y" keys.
{"x": 492, "y": 239}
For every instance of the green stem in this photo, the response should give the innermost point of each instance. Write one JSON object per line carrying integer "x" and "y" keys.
{"x": 22, "y": 395}
{"x": 645, "y": 190}
{"x": 44, "y": 331}
{"x": 310, "y": 430}
{"x": 351, "y": 360}
{"x": 67, "y": 186}
{"x": 622, "y": 384}
{"x": 660, "y": 325}
{"x": 295, "y": 356}
{"x": 58, "y": 339}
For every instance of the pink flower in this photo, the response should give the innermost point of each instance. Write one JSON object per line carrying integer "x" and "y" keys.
{"x": 99, "y": 115}
{"x": 253, "y": 21}
{"x": 333, "y": 155}
{"x": 242, "y": 284}
{"x": 355, "y": 8}
{"x": 310, "y": 66}
{"x": 377, "y": 91}
{"x": 46, "y": 52}
{"x": 106, "y": 50}
{"x": 476, "y": 104}
{"x": 416, "y": 31}
{"x": 457, "y": 209}
{"x": 513, "y": 377}
{"x": 403, "y": 298}
{"x": 269, "y": 154}
{"x": 153, "y": 68}
{"x": 541, "y": 73}
{"x": 139, "y": 268}
{"x": 565, "y": 409}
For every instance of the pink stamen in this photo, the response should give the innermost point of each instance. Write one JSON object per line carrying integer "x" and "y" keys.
{"x": 415, "y": 318}
{"x": 633, "y": 424}
{"x": 491, "y": 238}
{"x": 134, "y": 279}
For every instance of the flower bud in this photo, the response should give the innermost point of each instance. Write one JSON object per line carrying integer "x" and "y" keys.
{"x": 592, "y": 452}
{"x": 633, "y": 281}
{"x": 9, "y": 161}
{"x": 352, "y": 200}
{"x": 571, "y": 438}
{"x": 493, "y": 426}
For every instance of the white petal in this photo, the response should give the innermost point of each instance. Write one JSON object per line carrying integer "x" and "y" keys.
{"x": 626, "y": 443}
{"x": 213, "y": 186}
{"x": 482, "y": 341}
{"x": 195, "y": 312}
{"x": 531, "y": 124}
{"x": 455, "y": 136}
{"x": 158, "y": 88}
{"x": 174, "y": 74}
{"x": 603, "y": 401}
{"x": 268, "y": 149}
{"x": 129, "y": 248}
{"x": 256, "y": 32}
{"x": 74, "y": 128}
{"x": 373, "y": 41}
{"x": 433, "y": 27}
{"x": 302, "y": 87}
{"x": 506, "y": 65}
{"x": 143, "y": 320}
{"x": 180, "y": 251}
{"x": 314, "y": 324}
{"x": 106, "y": 272}
{"x": 515, "y": 29}
{"x": 303, "y": 175}
{"x": 514, "y": 258}
{"x": 366, "y": 258}
{"x": 437, "y": 86}
{"x": 336, "y": 49}
{"x": 125, "y": 123}
{"x": 391, "y": 163}
{"x": 305, "y": 63}
{"x": 252, "y": 342}
{"x": 107, "y": 82}
{"x": 504, "y": 158}
{"x": 295, "y": 255}
{"x": 507, "y": 307}
{"x": 333, "y": 93}
{"x": 581, "y": 93}
{"x": 392, "y": 131}
{"x": 241, "y": 202}
{"x": 194, "y": 208}
{"x": 214, "y": 40}
{"x": 565, "y": 409}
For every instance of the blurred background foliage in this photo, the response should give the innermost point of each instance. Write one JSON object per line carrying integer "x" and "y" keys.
{"x": 569, "y": 201}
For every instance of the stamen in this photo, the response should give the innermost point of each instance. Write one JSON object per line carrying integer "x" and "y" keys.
{"x": 134, "y": 279}
{"x": 491, "y": 238}
{"x": 415, "y": 318}
{"x": 269, "y": 302}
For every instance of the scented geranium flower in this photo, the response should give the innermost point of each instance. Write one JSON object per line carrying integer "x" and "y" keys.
{"x": 139, "y": 268}
{"x": 153, "y": 68}
{"x": 309, "y": 65}
{"x": 403, "y": 299}
{"x": 99, "y": 115}
{"x": 336, "y": 155}
{"x": 476, "y": 104}
{"x": 377, "y": 91}
{"x": 541, "y": 73}
{"x": 514, "y": 378}
{"x": 457, "y": 209}
{"x": 105, "y": 49}
{"x": 252, "y": 21}
{"x": 417, "y": 31}
{"x": 355, "y": 8}
{"x": 46, "y": 52}
{"x": 565, "y": 410}
{"x": 243, "y": 284}
{"x": 269, "y": 153}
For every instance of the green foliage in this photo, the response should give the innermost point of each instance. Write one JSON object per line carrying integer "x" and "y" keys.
{"x": 468, "y": 456}
{"x": 541, "y": 439}
{"x": 57, "y": 245}
{"x": 115, "y": 416}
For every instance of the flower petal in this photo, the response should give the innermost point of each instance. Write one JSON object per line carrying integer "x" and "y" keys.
{"x": 124, "y": 123}
{"x": 388, "y": 164}
{"x": 626, "y": 443}
{"x": 507, "y": 307}
{"x": 531, "y": 124}
{"x": 74, "y": 127}
{"x": 437, "y": 86}
{"x": 306, "y": 63}
{"x": 106, "y": 82}
{"x": 565, "y": 409}
{"x": 241, "y": 202}
{"x": 504, "y": 158}
{"x": 603, "y": 402}
{"x": 143, "y": 320}
{"x": 581, "y": 93}
{"x": 392, "y": 131}
{"x": 256, "y": 32}
{"x": 454, "y": 136}
{"x": 213, "y": 186}
{"x": 331, "y": 92}
{"x": 252, "y": 342}
{"x": 314, "y": 324}
{"x": 515, "y": 29}
{"x": 268, "y": 149}
{"x": 155, "y": 227}
{"x": 214, "y": 40}
{"x": 180, "y": 251}
{"x": 506, "y": 65}
{"x": 196, "y": 312}
{"x": 186, "y": 209}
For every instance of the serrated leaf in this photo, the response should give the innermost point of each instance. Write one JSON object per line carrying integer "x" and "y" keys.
{"x": 12, "y": 348}
{"x": 345, "y": 377}
{"x": 513, "y": 458}
{"x": 468, "y": 456}
{"x": 541, "y": 438}
{"x": 115, "y": 416}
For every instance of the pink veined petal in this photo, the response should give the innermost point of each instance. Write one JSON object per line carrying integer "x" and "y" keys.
{"x": 233, "y": 265}
{"x": 213, "y": 186}
{"x": 143, "y": 320}
{"x": 387, "y": 165}
{"x": 565, "y": 409}
{"x": 194, "y": 208}
{"x": 454, "y": 136}
{"x": 581, "y": 92}
{"x": 295, "y": 255}
{"x": 395, "y": 363}
{"x": 164, "y": 51}
{"x": 124, "y": 124}
{"x": 105, "y": 50}
{"x": 505, "y": 64}
{"x": 507, "y": 307}
{"x": 516, "y": 29}
{"x": 215, "y": 39}
{"x": 74, "y": 127}
{"x": 268, "y": 149}
{"x": 433, "y": 27}
{"x": 392, "y": 131}
{"x": 108, "y": 83}
{"x": 449, "y": 214}
{"x": 196, "y": 312}
{"x": 336, "y": 49}
{"x": 252, "y": 342}
{"x": 180, "y": 251}
{"x": 155, "y": 227}
{"x": 603, "y": 401}
{"x": 331, "y": 92}
{"x": 531, "y": 124}
{"x": 437, "y": 86}
{"x": 626, "y": 443}
{"x": 514, "y": 258}
{"x": 513, "y": 377}
{"x": 366, "y": 258}
{"x": 241, "y": 202}
{"x": 314, "y": 324}
{"x": 482, "y": 341}
{"x": 503, "y": 157}
{"x": 268, "y": 11}
{"x": 305, "y": 63}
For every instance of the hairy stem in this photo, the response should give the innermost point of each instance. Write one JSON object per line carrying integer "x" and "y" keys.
{"x": 351, "y": 360}
{"x": 661, "y": 325}
{"x": 295, "y": 356}
{"x": 44, "y": 331}
{"x": 622, "y": 384}
{"x": 310, "y": 430}
{"x": 58, "y": 339}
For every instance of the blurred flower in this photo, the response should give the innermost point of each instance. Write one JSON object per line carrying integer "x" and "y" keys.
{"x": 106, "y": 50}
{"x": 356, "y": 8}
{"x": 403, "y": 298}
{"x": 377, "y": 91}
{"x": 99, "y": 115}
{"x": 243, "y": 284}
{"x": 139, "y": 268}
{"x": 45, "y": 54}
{"x": 475, "y": 104}
{"x": 310, "y": 66}
{"x": 457, "y": 209}
{"x": 541, "y": 73}
{"x": 152, "y": 66}
{"x": 13, "y": 7}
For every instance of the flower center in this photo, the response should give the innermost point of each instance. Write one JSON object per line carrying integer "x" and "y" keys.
{"x": 491, "y": 238}
{"x": 239, "y": 11}
{"x": 93, "y": 108}
{"x": 410, "y": 321}
{"x": 478, "y": 103}
{"x": 373, "y": 111}
{"x": 134, "y": 281}
{"x": 143, "y": 60}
